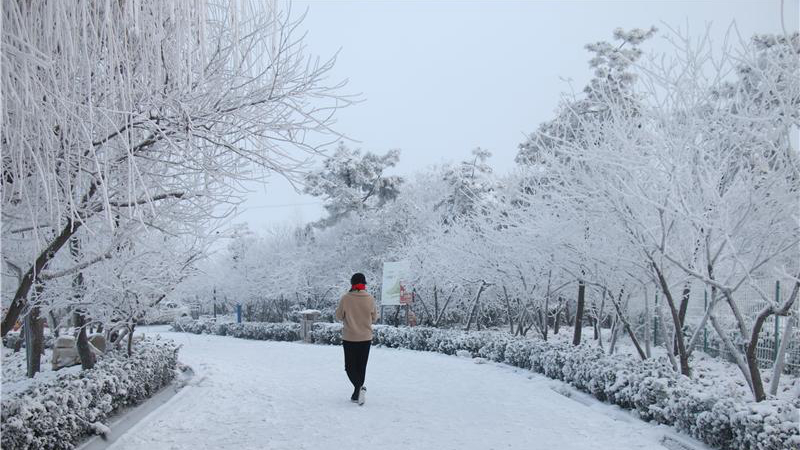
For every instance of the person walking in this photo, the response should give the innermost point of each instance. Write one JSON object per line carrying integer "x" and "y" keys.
{"x": 358, "y": 312}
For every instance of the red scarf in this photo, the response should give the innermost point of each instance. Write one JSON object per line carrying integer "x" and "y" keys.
{"x": 359, "y": 287}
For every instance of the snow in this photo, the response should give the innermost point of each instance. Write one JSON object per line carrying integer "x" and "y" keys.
{"x": 283, "y": 395}
{"x": 15, "y": 377}
{"x": 101, "y": 429}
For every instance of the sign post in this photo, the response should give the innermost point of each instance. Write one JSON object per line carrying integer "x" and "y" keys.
{"x": 393, "y": 292}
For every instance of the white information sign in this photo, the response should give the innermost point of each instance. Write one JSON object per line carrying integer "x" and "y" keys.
{"x": 394, "y": 275}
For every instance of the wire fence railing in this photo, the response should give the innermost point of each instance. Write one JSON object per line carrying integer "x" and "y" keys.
{"x": 750, "y": 303}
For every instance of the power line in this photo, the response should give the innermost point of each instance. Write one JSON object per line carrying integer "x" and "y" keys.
{"x": 285, "y": 205}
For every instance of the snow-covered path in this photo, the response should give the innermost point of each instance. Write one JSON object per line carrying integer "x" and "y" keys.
{"x": 278, "y": 395}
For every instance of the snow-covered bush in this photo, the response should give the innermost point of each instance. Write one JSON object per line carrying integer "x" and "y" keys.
{"x": 283, "y": 331}
{"x": 189, "y": 325}
{"x": 327, "y": 333}
{"x": 55, "y": 414}
{"x": 518, "y": 353}
{"x": 715, "y": 414}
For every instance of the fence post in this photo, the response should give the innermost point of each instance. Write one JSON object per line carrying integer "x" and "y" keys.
{"x": 705, "y": 327}
{"x": 777, "y": 325}
{"x": 655, "y": 320}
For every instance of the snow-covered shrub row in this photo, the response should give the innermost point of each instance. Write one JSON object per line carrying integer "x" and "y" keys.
{"x": 714, "y": 415}
{"x": 283, "y": 331}
{"x": 56, "y": 414}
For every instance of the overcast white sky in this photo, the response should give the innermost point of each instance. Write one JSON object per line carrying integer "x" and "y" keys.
{"x": 441, "y": 78}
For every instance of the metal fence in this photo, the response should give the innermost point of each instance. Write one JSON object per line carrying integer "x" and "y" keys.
{"x": 750, "y": 303}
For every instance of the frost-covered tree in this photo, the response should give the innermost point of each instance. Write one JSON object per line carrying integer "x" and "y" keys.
{"x": 468, "y": 185}
{"x": 350, "y": 181}
{"x": 129, "y": 109}
{"x": 609, "y": 92}
{"x": 701, "y": 184}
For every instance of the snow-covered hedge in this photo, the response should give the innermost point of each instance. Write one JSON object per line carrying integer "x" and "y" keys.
{"x": 56, "y": 414}
{"x": 285, "y": 331}
{"x": 710, "y": 412}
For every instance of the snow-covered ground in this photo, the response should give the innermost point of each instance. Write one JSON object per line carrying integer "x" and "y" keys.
{"x": 14, "y": 370}
{"x": 279, "y": 395}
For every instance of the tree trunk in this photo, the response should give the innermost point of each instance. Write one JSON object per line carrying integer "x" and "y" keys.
{"x": 599, "y": 328}
{"x": 396, "y": 315}
{"x": 32, "y": 276}
{"x": 53, "y": 324}
{"x": 508, "y": 311}
{"x": 546, "y": 315}
{"x": 682, "y": 310}
{"x": 415, "y": 296}
{"x": 557, "y": 319}
{"x": 475, "y": 305}
{"x": 780, "y": 358}
{"x": 444, "y": 307}
{"x": 662, "y": 324}
{"x": 740, "y": 361}
{"x": 84, "y": 352}
{"x": 752, "y": 360}
{"x": 628, "y": 328}
{"x": 568, "y": 319}
{"x": 703, "y": 322}
{"x": 647, "y": 319}
{"x": 546, "y": 324}
{"x": 130, "y": 338}
{"x": 34, "y": 332}
{"x": 613, "y": 344}
{"x": 683, "y": 357}
{"x": 576, "y": 337}
{"x": 435, "y": 317}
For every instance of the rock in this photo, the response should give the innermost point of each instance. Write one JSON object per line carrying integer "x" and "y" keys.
{"x": 65, "y": 342}
{"x": 65, "y": 352}
{"x": 98, "y": 340}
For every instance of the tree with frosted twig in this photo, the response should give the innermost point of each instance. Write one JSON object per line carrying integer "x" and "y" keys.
{"x": 702, "y": 179}
{"x": 743, "y": 186}
{"x": 350, "y": 181}
{"x": 120, "y": 111}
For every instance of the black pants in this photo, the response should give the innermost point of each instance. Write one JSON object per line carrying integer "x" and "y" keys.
{"x": 356, "y": 355}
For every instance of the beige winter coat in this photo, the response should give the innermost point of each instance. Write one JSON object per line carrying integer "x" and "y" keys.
{"x": 358, "y": 312}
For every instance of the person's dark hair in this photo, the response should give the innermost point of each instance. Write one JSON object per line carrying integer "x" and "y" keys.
{"x": 357, "y": 278}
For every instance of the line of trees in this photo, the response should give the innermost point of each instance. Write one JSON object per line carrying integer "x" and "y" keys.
{"x": 667, "y": 174}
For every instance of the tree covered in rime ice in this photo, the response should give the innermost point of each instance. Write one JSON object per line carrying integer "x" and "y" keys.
{"x": 123, "y": 118}
{"x": 468, "y": 183}
{"x": 701, "y": 177}
{"x": 611, "y": 91}
{"x": 351, "y": 182}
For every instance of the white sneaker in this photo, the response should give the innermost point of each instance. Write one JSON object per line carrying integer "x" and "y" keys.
{"x": 362, "y": 396}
